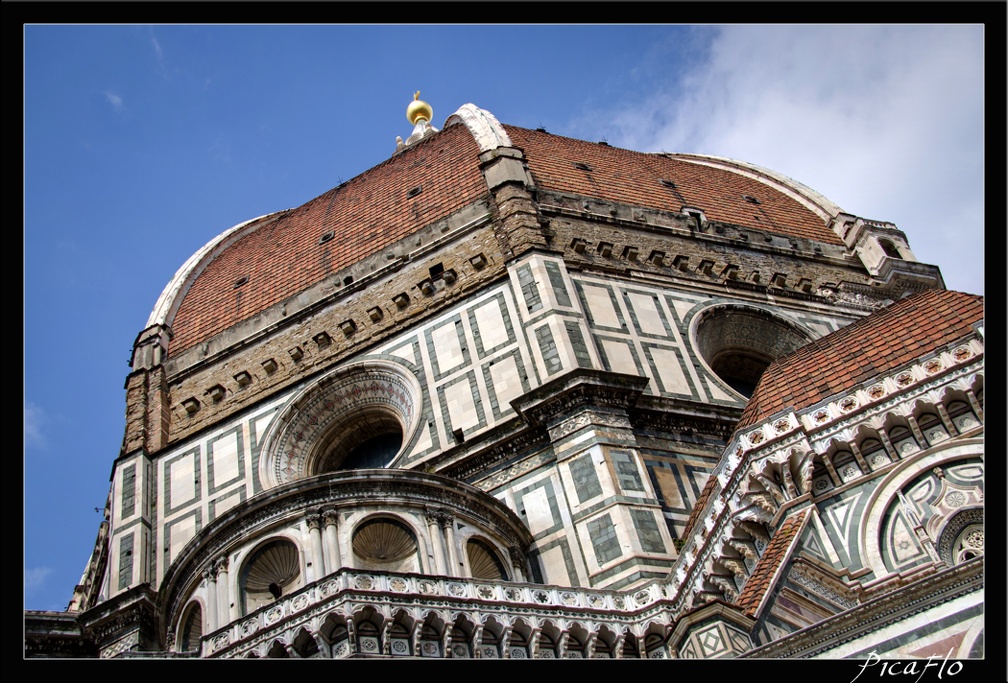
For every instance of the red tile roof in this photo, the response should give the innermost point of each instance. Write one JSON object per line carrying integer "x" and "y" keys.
{"x": 879, "y": 343}
{"x": 368, "y": 213}
{"x": 698, "y": 508}
{"x": 765, "y": 573}
{"x": 629, "y": 177}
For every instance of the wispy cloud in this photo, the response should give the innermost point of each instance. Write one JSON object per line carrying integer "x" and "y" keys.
{"x": 157, "y": 46}
{"x": 35, "y": 577}
{"x": 34, "y": 418}
{"x": 115, "y": 100}
{"x": 880, "y": 119}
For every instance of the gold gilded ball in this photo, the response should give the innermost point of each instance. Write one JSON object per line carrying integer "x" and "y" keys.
{"x": 418, "y": 109}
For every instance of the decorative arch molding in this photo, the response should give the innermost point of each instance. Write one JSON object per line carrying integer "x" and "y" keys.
{"x": 322, "y": 425}
{"x": 886, "y": 495}
{"x": 484, "y": 126}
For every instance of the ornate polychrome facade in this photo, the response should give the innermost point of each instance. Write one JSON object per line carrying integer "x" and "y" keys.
{"x": 513, "y": 395}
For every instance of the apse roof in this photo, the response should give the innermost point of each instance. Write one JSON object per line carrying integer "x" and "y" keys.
{"x": 253, "y": 266}
{"x": 881, "y": 342}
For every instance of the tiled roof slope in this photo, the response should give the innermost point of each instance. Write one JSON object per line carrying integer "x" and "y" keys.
{"x": 367, "y": 213}
{"x": 876, "y": 344}
{"x": 766, "y": 570}
{"x": 708, "y": 490}
{"x": 629, "y": 177}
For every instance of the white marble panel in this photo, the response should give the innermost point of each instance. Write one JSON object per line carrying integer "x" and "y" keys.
{"x": 506, "y": 382}
{"x": 538, "y": 514}
{"x": 601, "y": 306}
{"x": 461, "y": 408}
{"x": 648, "y": 317}
{"x": 670, "y": 371}
{"x": 183, "y": 480}
{"x": 492, "y": 331}
{"x": 620, "y": 357}
{"x": 225, "y": 458}
{"x": 447, "y": 347}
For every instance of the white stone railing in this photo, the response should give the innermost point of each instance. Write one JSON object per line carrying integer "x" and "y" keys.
{"x": 289, "y": 614}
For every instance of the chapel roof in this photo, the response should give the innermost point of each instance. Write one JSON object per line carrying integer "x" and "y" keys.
{"x": 879, "y": 343}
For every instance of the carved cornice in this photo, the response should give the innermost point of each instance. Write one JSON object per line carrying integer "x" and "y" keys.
{"x": 134, "y": 610}
{"x": 581, "y": 388}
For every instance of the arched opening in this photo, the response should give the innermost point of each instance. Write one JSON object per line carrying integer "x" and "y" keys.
{"x": 874, "y": 453}
{"x": 903, "y": 440}
{"x": 460, "y": 641}
{"x": 483, "y": 562}
{"x": 547, "y": 647}
{"x": 272, "y": 571}
{"x": 932, "y": 427}
{"x": 490, "y": 644}
{"x": 889, "y": 248}
{"x": 361, "y": 416}
{"x": 962, "y": 537}
{"x": 430, "y": 641}
{"x": 385, "y": 544}
{"x": 518, "y": 643}
{"x": 192, "y": 629}
{"x": 738, "y": 343}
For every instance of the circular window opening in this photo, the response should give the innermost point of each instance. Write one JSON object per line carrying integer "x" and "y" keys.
{"x": 739, "y": 343}
{"x": 371, "y": 439}
{"x": 740, "y": 368}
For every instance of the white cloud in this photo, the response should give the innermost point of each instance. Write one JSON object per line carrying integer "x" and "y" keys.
{"x": 887, "y": 121}
{"x": 35, "y": 577}
{"x": 115, "y": 100}
{"x": 34, "y": 418}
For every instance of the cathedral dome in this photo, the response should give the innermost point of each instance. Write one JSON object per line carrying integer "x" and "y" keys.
{"x": 264, "y": 262}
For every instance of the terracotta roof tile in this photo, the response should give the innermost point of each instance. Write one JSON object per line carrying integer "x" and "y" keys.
{"x": 705, "y": 494}
{"x": 874, "y": 345}
{"x": 370, "y": 212}
{"x": 765, "y": 573}
{"x": 631, "y": 177}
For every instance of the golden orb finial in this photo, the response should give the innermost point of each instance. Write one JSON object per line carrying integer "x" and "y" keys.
{"x": 418, "y": 109}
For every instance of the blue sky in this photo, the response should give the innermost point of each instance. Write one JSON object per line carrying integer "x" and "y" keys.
{"x": 143, "y": 142}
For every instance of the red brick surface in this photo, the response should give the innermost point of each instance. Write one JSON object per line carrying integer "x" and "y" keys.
{"x": 629, "y": 177}
{"x": 372, "y": 211}
{"x": 368, "y": 213}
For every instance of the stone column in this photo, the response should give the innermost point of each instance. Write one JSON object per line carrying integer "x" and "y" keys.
{"x": 345, "y": 548}
{"x": 315, "y": 535}
{"x": 332, "y": 554}
{"x": 434, "y": 530}
{"x": 450, "y": 556}
{"x": 210, "y": 576}
{"x": 887, "y": 444}
{"x": 517, "y": 564}
{"x": 975, "y": 404}
{"x": 223, "y": 591}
